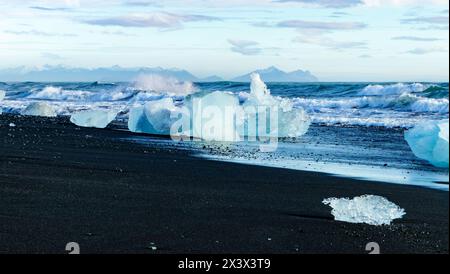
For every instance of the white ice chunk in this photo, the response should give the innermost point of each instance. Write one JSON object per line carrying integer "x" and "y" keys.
{"x": 429, "y": 141}
{"x": 214, "y": 117}
{"x": 369, "y": 209}
{"x": 218, "y": 116}
{"x": 292, "y": 122}
{"x": 93, "y": 118}
{"x": 159, "y": 113}
{"x": 39, "y": 109}
{"x": 155, "y": 117}
{"x": 137, "y": 121}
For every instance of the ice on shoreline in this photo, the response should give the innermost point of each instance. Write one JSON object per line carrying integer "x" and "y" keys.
{"x": 93, "y": 118}
{"x": 369, "y": 209}
{"x": 219, "y": 116}
{"x": 429, "y": 141}
{"x": 39, "y": 109}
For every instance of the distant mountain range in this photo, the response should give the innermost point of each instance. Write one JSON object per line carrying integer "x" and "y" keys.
{"x": 119, "y": 74}
{"x": 273, "y": 74}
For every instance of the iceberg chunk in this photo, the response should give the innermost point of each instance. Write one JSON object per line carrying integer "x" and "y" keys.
{"x": 214, "y": 117}
{"x": 155, "y": 117}
{"x": 137, "y": 121}
{"x": 369, "y": 209}
{"x": 218, "y": 116}
{"x": 39, "y": 109}
{"x": 93, "y": 118}
{"x": 292, "y": 122}
{"x": 429, "y": 141}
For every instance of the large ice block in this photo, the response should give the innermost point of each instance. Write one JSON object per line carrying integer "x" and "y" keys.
{"x": 214, "y": 117}
{"x": 429, "y": 141}
{"x": 93, "y": 118}
{"x": 39, "y": 109}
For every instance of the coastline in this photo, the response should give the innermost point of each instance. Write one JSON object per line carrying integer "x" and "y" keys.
{"x": 61, "y": 183}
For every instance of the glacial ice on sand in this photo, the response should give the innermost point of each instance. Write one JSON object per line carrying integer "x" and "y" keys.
{"x": 369, "y": 209}
{"x": 39, "y": 109}
{"x": 429, "y": 141}
{"x": 219, "y": 116}
{"x": 292, "y": 122}
{"x": 93, "y": 118}
{"x": 155, "y": 117}
{"x": 217, "y": 119}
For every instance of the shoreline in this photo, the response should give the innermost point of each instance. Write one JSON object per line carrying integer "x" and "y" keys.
{"x": 61, "y": 183}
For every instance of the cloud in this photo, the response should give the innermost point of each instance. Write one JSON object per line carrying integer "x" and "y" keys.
{"x": 155, "y": 19}
{"x": 415, "y": 38}
{"x": 377, "y": 3}
{"x": 142, "y": 3}
{"x": 322, "y": 26}
{"x": 245, "y": 47}
{"x": 439, "y": 20}
{"x": 52, "y": 56}
{"x": 49, "y": 9}
{"x": 327, "y": 3}
{"x": 40, "y": 33}
{"x": 365, "y": 56}
{"x": 338, "y": 14}
{"x": 330, "y": 43}
{"x": 423, "y": 51}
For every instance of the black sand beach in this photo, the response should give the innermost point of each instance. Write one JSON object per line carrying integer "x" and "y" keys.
{"x": 60, "y": 183}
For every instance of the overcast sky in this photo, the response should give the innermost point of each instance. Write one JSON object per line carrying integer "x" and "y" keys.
{"x": 337, "y": 40}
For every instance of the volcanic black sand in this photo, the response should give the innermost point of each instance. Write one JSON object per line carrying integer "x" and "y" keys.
{"x": 60, "y": 183}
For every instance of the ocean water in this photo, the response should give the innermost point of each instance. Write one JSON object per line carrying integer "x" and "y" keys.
{"x": 364, "y": 104}
{"x": 357, "y": 128}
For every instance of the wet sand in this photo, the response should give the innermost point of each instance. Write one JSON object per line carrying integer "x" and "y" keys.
{"x": 60, "y": 183}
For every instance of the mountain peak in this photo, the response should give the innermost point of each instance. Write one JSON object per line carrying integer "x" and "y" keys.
{"x": 274, "y": 74}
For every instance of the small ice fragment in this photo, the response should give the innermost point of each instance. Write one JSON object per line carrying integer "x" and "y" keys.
{"x": 93, "y": 118}
{"x": 12, "y": 124}
{"x": 369, "y": 209}
{"x": 39, "y": 109}
{"x": 429, "y": 141}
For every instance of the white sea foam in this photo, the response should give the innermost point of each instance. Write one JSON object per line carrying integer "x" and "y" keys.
{"x": 57, "y": 93}
{"x": 161, "y": 84}
{"x": 369, "y": 209}
{"x": 394, "y": 89}
{"x": 2, "y": 95}
{"x": 404, "y": 102}
{"x": 39, "y": 109}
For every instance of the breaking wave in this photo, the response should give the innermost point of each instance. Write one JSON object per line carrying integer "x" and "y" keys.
{"x": 379, "y": 104}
